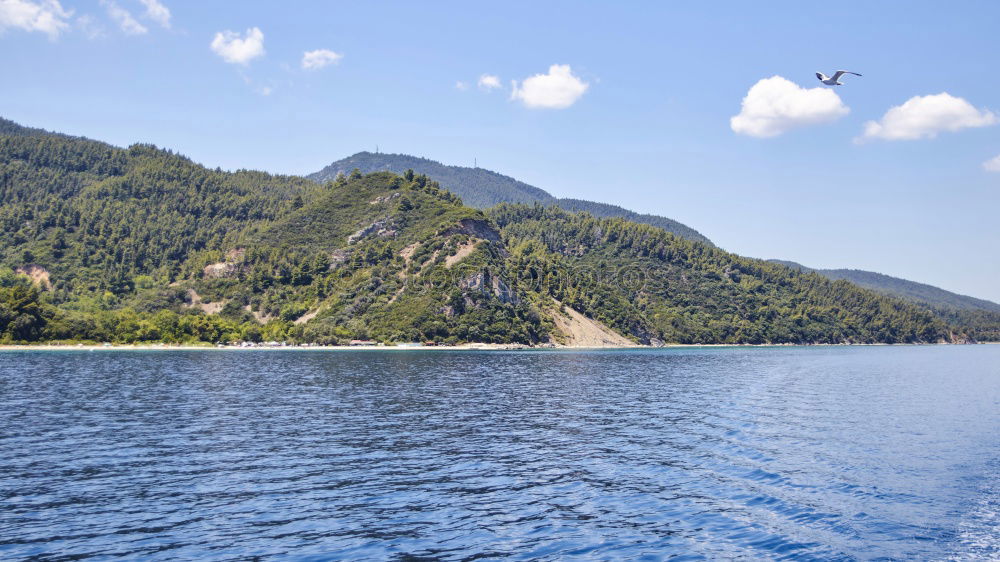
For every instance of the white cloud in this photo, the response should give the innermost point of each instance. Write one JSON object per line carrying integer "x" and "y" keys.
{"x": 314, "y": 60}
{"x": 157, "y": 12}
{"x": 123, "y": 18}
{"x": 777, "y": 105}
{"x": 239, "y": 50}
{"x": 489, "y": 82}
{"x": 923, "y": 117}
{"x": 558, "y": 89}
{"x": 462, "y": 86}
{"x": 993, "y": 164}
{"x": 46, "y": 16}
{"x": 90, "y": 27}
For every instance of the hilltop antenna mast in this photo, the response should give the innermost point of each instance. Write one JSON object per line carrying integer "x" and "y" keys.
{"x": 376, "y": 149}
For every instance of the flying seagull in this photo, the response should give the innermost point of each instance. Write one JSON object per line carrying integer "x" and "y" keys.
{"x": 835, "y": 79}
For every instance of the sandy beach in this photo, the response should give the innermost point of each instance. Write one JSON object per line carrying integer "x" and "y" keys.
{"x": 209, "y": 347}
{"x": 461, "y": 347}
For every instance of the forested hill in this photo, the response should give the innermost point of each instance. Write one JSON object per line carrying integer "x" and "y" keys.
{"x": 912, "y": 291}
{"x": 140, "y": 244}
{"x": 478, "y": 187}
{"x": 979, "y": 316}
{"x": 8, "y": 127}
{"x": 481, "y": 188}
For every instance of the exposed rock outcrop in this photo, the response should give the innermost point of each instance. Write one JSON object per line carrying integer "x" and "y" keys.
{"x": 384, "y": 199}
{"x": 38, "y": 274}
{"x": 483, "y": 281}
{"x": 219, "y": 270}
{"x": 383, "y": 228}
{"x": 338, "y": 257}
{"x": 227, "y": 268}
{"x": 477, "y": 228}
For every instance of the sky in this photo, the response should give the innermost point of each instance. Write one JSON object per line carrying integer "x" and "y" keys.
{"x": 710, "y": 114}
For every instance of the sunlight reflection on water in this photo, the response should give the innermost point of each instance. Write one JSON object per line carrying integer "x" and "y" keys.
{"x": 825, "y": 453}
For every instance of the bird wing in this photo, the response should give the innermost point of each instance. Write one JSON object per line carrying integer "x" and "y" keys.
{"x": 839, "y": 73}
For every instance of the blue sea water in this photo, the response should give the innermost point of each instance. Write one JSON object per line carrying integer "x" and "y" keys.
{"x": 825, "y": 453}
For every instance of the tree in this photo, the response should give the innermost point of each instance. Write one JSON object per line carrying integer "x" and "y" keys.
{"x": 21, "y": 314}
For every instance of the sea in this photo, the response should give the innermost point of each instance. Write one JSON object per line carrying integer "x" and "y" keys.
{"x": 800, "y": 453}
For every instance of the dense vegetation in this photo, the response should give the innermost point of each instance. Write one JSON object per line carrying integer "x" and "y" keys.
{"x": 139, "y": 244}
{"x": 100, "y": 216}
{"x": 649, "y": 283}
{"x": 118, "y": 241}
{"x": 478, "y": 187}
{"x": 978, "y": 318}
{"x": 481, "y": 188}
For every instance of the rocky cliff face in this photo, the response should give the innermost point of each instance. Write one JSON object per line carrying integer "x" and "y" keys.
{"x": 476, "y": 228}
{"x": 486, "y": 282}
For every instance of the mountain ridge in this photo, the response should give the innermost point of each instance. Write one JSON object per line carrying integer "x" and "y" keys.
{"x": 140, "y": 244}
{"x": 481, "y": 188}
{"x": 913, "y": 291}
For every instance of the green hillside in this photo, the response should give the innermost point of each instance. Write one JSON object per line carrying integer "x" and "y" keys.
{"x": 651, "y": 284}
{"x": 979, "y": 315}
{"x": 139, "y": 244}
{"x": 482, "y": 188}
{"x": 908, "y": 290}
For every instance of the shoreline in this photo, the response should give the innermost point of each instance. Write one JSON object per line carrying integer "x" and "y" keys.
{"x": 461, "y": 347}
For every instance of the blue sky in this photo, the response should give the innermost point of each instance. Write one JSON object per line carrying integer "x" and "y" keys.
{"x": 637, "y": 111}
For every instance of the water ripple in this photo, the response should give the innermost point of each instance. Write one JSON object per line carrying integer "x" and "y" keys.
{"x": 805, "y": 454}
